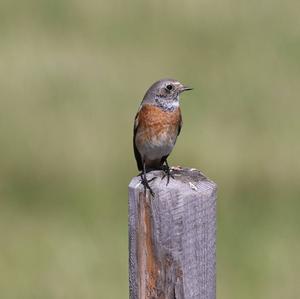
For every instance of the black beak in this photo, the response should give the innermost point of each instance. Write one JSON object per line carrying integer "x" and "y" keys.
{"x": 185, "y": 88}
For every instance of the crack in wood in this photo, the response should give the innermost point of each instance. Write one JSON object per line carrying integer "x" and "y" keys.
{"x": 159, "y": 272}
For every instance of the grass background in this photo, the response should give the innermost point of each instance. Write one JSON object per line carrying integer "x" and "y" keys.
{"x": 72, "y": 74}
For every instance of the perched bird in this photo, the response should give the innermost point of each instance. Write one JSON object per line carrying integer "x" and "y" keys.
{"x": 157, "y": 124}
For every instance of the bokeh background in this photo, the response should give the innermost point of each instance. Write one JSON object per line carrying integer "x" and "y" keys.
{"x": 72, "y": 74}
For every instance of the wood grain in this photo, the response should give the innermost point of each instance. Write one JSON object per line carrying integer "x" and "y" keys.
{"x": 172, "y": 237}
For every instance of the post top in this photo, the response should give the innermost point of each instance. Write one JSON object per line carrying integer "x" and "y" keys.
{"x": 186, "y": 180}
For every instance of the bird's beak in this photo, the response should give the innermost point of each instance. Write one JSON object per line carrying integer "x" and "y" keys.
{"x": 184, "y": 88}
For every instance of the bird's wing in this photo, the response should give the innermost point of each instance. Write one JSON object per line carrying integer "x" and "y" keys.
{"x": 179, "y": 123}
{"x": 137, "y": 154}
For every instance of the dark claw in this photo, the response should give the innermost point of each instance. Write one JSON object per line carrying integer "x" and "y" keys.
{"x": 146, "y": 182}
{"x": 167, "y": 173}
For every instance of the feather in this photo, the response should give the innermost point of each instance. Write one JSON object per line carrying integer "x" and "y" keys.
{"x": 137, "y": 154}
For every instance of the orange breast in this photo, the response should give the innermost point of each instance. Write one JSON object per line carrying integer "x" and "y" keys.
{"x": 154, "y": 121}
{"x": 156, "y": 133}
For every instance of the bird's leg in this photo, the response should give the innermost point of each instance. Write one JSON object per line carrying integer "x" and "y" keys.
{"x": 167, "y": 171}
{"x": 145, "y": 182}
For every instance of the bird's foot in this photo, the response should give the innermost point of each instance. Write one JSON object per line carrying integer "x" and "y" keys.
{"x": 146, "y": 185}
{"x": 167, "y": 173}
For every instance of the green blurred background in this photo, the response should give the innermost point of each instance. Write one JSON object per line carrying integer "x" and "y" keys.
{"x": 72, "y": 74}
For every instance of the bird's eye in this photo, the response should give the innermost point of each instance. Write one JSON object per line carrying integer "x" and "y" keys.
{"x": 169, "y": 87}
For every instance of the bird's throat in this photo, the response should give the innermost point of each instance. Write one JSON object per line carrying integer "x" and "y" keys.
{"x": 166, "y": 105}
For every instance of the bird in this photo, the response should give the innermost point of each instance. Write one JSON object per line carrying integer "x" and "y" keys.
{"x": 157, "y": 124}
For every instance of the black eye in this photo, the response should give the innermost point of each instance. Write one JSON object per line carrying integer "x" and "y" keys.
{"x": 169, "y": 87}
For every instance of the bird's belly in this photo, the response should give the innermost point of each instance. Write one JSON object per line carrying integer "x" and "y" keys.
{"x": 155, "y": 145}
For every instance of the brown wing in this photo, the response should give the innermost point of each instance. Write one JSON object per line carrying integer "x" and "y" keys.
{"x": 180, "y": 123}
{"x": 137, "y": 154}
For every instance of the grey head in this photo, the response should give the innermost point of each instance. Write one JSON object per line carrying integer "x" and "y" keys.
{"x": 165, "y": 94}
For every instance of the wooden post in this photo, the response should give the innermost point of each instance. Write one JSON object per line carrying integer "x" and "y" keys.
{"x": 172, "y": 237}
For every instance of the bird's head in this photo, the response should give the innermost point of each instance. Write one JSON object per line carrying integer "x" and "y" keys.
{"x": 165, "y": 92}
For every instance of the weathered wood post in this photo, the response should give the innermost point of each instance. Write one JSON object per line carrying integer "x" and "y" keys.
{"x": 172, "y": 237}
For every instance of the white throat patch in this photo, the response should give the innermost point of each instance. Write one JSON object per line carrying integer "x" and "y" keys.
{"x": 171, "y": 105}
